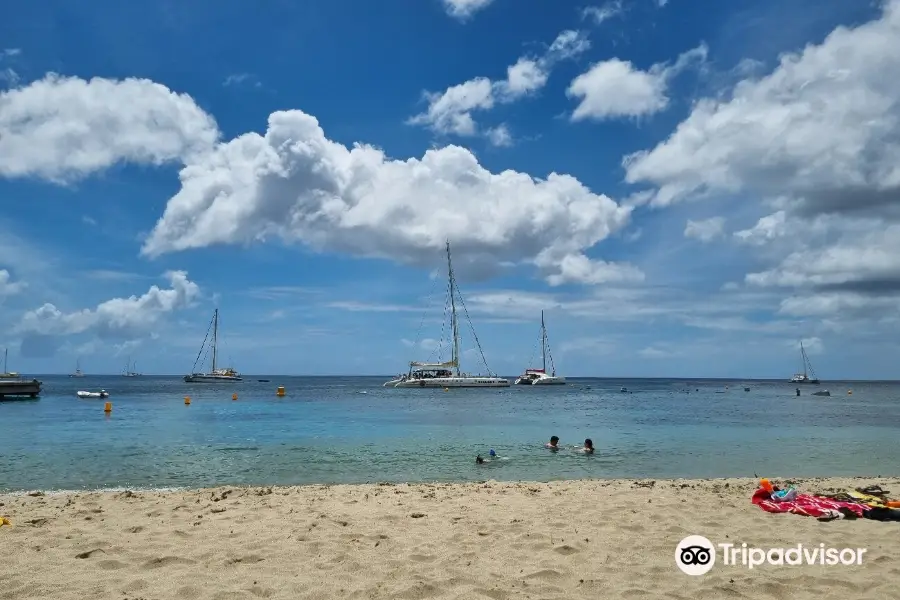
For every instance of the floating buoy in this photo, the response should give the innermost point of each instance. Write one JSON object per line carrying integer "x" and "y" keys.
{"x": 849, "y": 392}
{"x": 187, "y": 400}
{"x": 107, "y": 408}
{"x": 234, "y": 396}
{"x": 279, "y": 392}
{"x": 446, "y": 389}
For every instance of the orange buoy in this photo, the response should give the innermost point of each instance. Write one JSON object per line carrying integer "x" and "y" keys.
{"x": 187, "y": 400}
{"x": 280, "y": 391}
{"x": 107, "y": 408}
{"x": 234, "y": 396}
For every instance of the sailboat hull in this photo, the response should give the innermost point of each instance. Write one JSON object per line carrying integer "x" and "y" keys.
{"x": 453, "y": 382}
{"x": 549, "y": 380}
{"x": 207, "y": 378}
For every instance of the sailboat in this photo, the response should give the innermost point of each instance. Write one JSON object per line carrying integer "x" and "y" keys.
{"x": 77, "y": 372}
{"x": 128, "y": 369}
{"x": 540, "y": 376}
{"x": 447, "y": 374}
{"x": 6, "y": 373}
{"x": 215, "y": 375}
{"x": 804, "y": 377}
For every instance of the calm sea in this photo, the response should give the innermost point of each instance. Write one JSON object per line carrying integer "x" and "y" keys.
{"x": 352, "y": 430}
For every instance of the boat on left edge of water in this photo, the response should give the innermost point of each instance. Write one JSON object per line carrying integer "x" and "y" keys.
{"x": 6, "y": 374}
{"x": 86, "y": 394}
{"x": 447, "y": 374}
{"x": 215, "y": 375}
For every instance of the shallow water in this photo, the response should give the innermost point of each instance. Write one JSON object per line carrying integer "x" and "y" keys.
{"x": 352, "y": 430}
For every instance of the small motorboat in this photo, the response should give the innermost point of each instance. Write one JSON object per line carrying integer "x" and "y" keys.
{"x": 822, "y": 393}
{"x": 100, "y": 394}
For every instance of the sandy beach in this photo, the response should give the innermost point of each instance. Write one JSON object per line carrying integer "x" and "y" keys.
{"x": 584, "y": 539}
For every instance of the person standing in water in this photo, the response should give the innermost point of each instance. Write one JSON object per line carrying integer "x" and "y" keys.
{"x": 553, "y": 444}
{"x": 588, "y": 446}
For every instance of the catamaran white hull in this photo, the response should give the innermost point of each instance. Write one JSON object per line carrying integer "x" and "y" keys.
{"x": 203, "y": 378}
{"x": 453, "y": 382}
{"x": 549, "y": 381}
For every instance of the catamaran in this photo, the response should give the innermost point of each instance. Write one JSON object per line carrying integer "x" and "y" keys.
{"x": 540, "y": 376}
{"x": 6, "y": 374}
{"x": 128, "y": 369}
{"x": 215, "y": 375}
{"x": 448, "y": 374}
{"x": 804, "y": 376}
{"x": 77, "y": 372}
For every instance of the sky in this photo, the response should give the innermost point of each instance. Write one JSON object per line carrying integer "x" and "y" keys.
{"x": 686, "y": 189}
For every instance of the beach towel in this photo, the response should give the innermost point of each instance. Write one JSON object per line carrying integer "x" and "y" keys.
{"x": 807, "y": 505}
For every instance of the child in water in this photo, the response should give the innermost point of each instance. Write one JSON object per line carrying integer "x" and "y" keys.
{"x": 554, "y": 443}
{"x": 588, "y": 446}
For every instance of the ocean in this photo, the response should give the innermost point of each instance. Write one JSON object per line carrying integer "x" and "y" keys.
{"x": 353, "y": 430}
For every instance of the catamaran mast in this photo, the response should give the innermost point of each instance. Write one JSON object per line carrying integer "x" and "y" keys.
{"x": 543, "y": 342}
{"x": 453, "y": 321}
{"x": 803, "y": 356}
{"x": 215, "y": 338}
{"x": 5, "y": 356}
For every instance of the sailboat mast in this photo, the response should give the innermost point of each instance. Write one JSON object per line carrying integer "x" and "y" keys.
{"x": 543, "y": 342}
{"x": 453, "y": 322}
{"x": 5, "y": 356}
{"x": 215, "y": 338}
{"x": 803, "y": 356}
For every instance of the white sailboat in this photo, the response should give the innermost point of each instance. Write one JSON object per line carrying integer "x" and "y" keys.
{"x": 215, "y": 375}
{"x": 6, "y": 374}
{"x": 447, "y": 374}
{"x": 77, "y": 372}
{"x": 540, "y": 376}
{"x": 128, "y": 369}
{"x": 804, "y": 377}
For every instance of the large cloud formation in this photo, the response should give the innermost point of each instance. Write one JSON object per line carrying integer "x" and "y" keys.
{"x": 818, "y": 139}
{"x": 295, "y": 184}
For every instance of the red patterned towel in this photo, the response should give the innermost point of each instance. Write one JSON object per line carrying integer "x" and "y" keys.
{"x": 804, "y": 504}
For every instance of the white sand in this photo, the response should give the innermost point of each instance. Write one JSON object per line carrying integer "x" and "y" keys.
{"x": 572, "y": 539}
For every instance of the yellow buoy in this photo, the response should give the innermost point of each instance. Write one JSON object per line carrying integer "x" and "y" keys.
{"x": 107, "y": 408}
{"x": 280, "y": 391}
{"x": 187, "y": 400}
{"x": 234, "y": 396}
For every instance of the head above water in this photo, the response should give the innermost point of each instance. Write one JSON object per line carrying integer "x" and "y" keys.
{"x": 492, "y": 453}
{"x": 554, "y": 440}
{"x": 588, "y": 443}
{"x": 479, "y": 460}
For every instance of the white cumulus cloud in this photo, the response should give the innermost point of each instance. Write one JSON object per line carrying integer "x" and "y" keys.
{"x": 450, "y": 111}
{"x": 463, "y": 9}
{"x": 63, "y": 128}
{"x": 295, "y": 184}
{"x": 7, "y": 286}
{"x": 616, "y": 88}
{"x": 118, "y": 317}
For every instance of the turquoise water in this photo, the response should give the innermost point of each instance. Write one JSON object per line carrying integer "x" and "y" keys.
{"x": 352, "y": 430}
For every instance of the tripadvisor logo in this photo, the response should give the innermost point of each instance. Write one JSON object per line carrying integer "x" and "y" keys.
{"x": 696, "y": 555}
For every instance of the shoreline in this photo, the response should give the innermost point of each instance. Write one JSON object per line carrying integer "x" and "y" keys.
{"x": 498, "y": 540}
{"x": 752, "y": 481}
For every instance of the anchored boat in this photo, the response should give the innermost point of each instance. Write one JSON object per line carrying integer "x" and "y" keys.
{"x": 447, "y": 374}
{"x": 540, "y": 376}
{"x": 804, "y": 377}
{"x": 215, "y": 375}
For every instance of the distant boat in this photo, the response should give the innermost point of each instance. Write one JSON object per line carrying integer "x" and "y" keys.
{"x": 6, "y": 374}
{"x": 540, "y": 376}
{"x": 804, "y": 377}
{"x": 215, "y": 375}
{"x": 77, "y": 372}
{"x": 128, "y": 369}
{"x": 100, "y": 394}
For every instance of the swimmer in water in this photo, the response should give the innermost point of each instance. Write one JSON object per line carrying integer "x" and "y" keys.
{"x": 553, "y": 444}
{"x": 492, "y": 453}
{"x": 588, "y": 446}
{"x": 479, "y": 460}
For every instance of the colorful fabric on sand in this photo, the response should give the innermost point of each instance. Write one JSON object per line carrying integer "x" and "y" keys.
{"x": 807, "y": 505}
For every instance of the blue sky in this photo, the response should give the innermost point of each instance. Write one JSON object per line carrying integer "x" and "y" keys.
{"x": 685, "y": 188}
